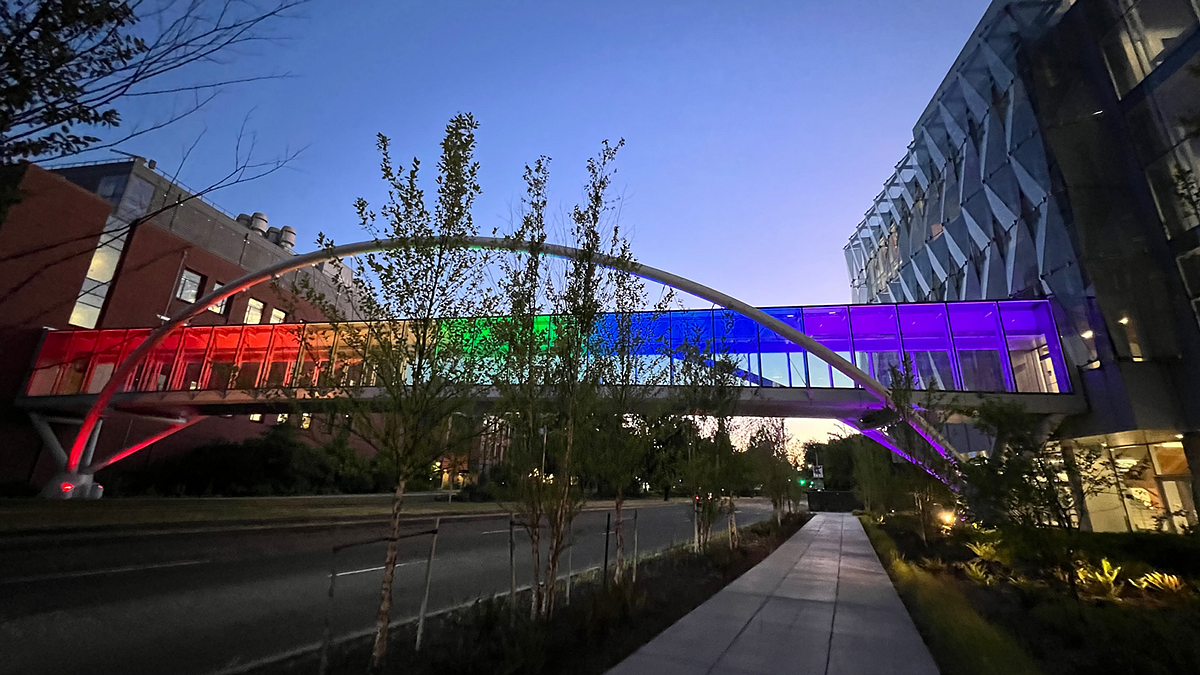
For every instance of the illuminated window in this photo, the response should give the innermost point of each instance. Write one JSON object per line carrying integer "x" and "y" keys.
{"x": 278, "y": 316}
{"x": 282, "y": 418}
{"x": 223, "y": 305}
{"x": 305, "y": 420}
{"x": 254, "y": 311}
{"x": 256, "y": 417}
{"x": 190, "y": 284}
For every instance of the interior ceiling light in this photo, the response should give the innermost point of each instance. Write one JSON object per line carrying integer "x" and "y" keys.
{"x": 1087, "y": 335}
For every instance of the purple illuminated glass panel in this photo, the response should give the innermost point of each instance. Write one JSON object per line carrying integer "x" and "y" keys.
{"x": 877, "y": 343}
{"x": 782, "y": 360}
{"x": 1032, "y": 340}
{"x": 831, "y": 327}
{"x": 979, "y": 342}
{"x": 926, "y": 331}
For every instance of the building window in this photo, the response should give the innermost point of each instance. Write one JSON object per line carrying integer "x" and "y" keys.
{"x": 222, "y": 306}
{"x": 256, "y": 417}
{"x": 278, "y": 316}
{"x": 254, "y": 311}
{"x": 282, "y": 418}
{"x": 305, "y": 420}
{"x": 190, "y": 284}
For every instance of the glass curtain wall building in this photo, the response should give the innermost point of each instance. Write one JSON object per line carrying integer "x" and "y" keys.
{"x": 1058, "y": 159}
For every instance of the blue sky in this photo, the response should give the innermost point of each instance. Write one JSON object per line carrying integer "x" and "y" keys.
{"x": 757, "y": 132}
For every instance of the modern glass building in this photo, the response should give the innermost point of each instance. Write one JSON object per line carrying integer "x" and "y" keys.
{"x": 1057, "y": 160}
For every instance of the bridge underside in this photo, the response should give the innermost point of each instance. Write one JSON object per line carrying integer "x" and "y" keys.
{"x": 754, "y": 402}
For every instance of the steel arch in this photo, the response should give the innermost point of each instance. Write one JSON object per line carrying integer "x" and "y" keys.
{"x": 714, "y": 296}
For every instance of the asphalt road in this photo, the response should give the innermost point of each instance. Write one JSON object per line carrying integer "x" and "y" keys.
{"x": 211, "y": 602}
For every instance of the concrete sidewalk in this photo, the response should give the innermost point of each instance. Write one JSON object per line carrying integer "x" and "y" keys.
{"x": 820, "y": 604}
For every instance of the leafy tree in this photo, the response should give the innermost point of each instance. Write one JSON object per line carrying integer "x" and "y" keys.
{"x": 70, "y": 64}
{"x": 768, "y": 451}
{"x": 409, "y": 362}
{"x": 874, "y": 477}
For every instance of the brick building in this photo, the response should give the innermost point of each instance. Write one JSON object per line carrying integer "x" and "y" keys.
{"x": 77, "y": 250}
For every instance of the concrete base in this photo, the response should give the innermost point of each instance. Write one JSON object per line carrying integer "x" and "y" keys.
{"x": 72, "y": 485}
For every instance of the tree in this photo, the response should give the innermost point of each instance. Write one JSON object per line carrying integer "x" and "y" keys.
{"x": 408, "y": 363}
{"x": 632, "y": 375}
{"x": 768, "y": 450}
{"x": 70, "y": 64}
{"x": 550, "y": 376}
{"x": 873, "y": 475}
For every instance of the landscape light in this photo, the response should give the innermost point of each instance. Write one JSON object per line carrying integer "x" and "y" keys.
{"x": 947, "y": 518}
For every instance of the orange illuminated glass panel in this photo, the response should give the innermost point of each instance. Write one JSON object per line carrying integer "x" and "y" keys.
{"x": 107, "y": 352}
{"x": 285, "y": 350}
{"x": 315, "y": 353}
{"x": 255, "y": 342}
{"x": 222, "y": 362}
{"x": 348, "y": 358}
{"x": 51, "y": 361}
{"x": 191, "y": 357}
{"x": 160, "y": 364}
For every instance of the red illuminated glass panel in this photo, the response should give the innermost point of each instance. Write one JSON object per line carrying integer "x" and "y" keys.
{"x": 160, "y": 364}
{"x": 107, "y": 350}
{"x": 191, "y": 357}
{"x": 255, "y": 341}
{"x": 51, "y": 362}
{"x": 222, "y": 362}
{"x": 133, "y": 338}
{"x": 352, "y": 343}
{"x": 77, "y": 360}
{"x": 285, "y": 351}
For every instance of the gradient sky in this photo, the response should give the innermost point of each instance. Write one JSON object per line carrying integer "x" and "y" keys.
{"x": 757, "y": 132}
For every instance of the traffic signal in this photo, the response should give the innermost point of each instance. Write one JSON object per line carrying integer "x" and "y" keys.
{"x": 803, "y": 481}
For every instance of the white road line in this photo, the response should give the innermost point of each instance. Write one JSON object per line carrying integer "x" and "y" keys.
{"x": 375, "y": 569}
{"x": 505, "y": 531}
{"x": 93, "y": 573}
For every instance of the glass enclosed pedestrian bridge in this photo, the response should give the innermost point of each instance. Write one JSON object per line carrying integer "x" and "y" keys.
{"x": 1005, "y": 347}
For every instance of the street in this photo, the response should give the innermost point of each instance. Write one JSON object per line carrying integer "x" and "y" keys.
{"x": 203, "y": 603}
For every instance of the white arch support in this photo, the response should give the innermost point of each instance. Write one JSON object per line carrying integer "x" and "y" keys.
{"x": 94, "y": 414}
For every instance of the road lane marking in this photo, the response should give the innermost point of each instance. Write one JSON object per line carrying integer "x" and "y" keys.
{"x": 375, "y": 569}
{"x": 92, "y": 573}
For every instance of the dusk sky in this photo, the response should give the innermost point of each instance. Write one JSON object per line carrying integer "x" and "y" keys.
{"x": 757, "y": 133}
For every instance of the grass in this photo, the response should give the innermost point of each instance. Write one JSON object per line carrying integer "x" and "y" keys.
{"x": 961, "y": 640}
{"x": 30, "y": 514}
{"x": 596, "y": 631}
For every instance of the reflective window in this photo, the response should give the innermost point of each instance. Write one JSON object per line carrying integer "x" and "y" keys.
{"x": 1143, "y": 37}
{"x": 982, "y": 353}
{"x": 876, "y": 340}
{"x": 926, "y": 331}
{"x": 222, "y": 306}
{"x": 278, "y": 315}
{"x": 189, "y": 287}
{"x": 254, "y": 311}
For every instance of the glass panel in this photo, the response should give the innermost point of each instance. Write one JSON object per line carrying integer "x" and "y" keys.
{"x": 691, "y": 337}
{"x": 78, "y": 357}
{"x": 133, "y": 338}
{"x": 1037, "y": 361}
{"x": 109, "y": 345}
{"x": 876, "y": 340}
{"x": 223, "y": 360}
{"x": 927, "y": 342}
{"x": 51, "y": 360}
{"x": 191, "y": 358}
{"x": 255, "y": 340}
{"x": 831, "y": 327}
{"x": 782, "y": 359}
{"x": 318, "y": 343}
{"x": 285, "y": 350}
{"x": 737, "y": 336}
{"x": 348, "y": 360}
{"x": 982, "y": 353}
{"x": 159, "y": 364}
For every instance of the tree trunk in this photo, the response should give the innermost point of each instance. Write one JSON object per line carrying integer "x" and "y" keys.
{"x": 733, "y": 531}
{"x": 619, "y": 573}
{"x": 535, "y": 542}
{"x": 383, "y": 620}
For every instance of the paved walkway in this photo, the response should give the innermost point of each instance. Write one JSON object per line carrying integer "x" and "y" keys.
{"x": 821, "y": 604}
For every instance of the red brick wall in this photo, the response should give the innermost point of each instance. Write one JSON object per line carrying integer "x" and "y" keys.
{"x": 39, "y": 289}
